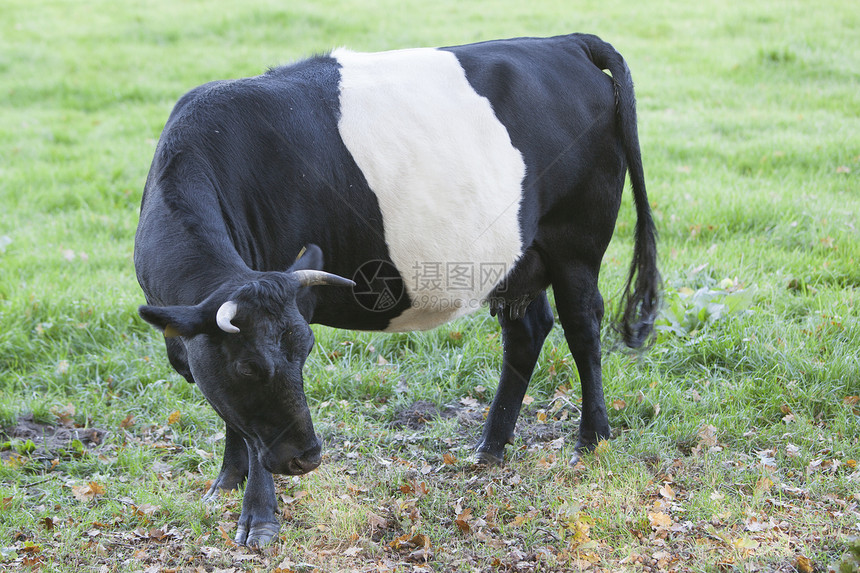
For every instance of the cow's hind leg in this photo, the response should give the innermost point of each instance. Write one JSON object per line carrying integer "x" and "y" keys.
{"x": 258, "y": 524}
{"x": 523, "y": 339}
{"x": 234, "y": 467}
{"x": 580, "y": 310}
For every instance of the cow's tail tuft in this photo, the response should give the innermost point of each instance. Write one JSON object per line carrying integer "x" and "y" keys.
{"x": 640, "y": 300}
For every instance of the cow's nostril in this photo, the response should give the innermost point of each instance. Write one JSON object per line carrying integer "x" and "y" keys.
{"x": 298, "y": 466}
{"x": 308, "y": 461}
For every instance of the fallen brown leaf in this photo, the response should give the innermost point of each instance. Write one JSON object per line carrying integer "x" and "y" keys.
{"x": 462, "y": 521}
{"x": 522, "y": 518}
{"x": 420, "y": 556}
{"x": 763, "y": 485}
{"x": 88, "y": 491}
{"x": 32, "y": 561}
{"x": 226, "y": 537}
{"x": 667, "y": 492}
{"x": 67, "y": 414}
{"x": 147, "y": 509}
{"x": 708, "y": 435}
{"x": 659, "y": 519}
{"x": 803, "y": 564}
{"x": 376, "y": 522}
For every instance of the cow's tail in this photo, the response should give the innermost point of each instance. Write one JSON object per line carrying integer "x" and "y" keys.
{"x": 640, "y": 301}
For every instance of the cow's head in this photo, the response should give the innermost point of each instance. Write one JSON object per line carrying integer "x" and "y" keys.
{"x": 245, "y": 346}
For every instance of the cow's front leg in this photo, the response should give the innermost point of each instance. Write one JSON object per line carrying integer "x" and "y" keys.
{"x": 258, "y": 523}
{"x": 234, "y": 467}
{"x": 522, "y": 339}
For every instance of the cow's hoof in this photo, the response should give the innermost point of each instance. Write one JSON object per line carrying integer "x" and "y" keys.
{"x": 486, "y": 459}
{"x": 587, "y": 445}
{"x": 214, "y": 492}
{"x": 224, "y": 482}
{"x": 259, "y": 534}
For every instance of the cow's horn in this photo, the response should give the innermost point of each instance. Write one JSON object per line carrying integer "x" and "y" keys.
{"x": 225, "y": 314}
{"x": 313, "y": 278}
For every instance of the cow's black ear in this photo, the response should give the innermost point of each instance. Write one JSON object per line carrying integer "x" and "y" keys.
{"x": 310, "y": 259}
{"x": 175, "y": 320}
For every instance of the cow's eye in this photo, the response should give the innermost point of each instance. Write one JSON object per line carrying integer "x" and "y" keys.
{"x": 246, "y": 369}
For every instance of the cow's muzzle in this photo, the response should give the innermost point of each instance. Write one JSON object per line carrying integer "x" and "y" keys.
{"x": 306, "y": 462}
{"x": 289, "y": 460}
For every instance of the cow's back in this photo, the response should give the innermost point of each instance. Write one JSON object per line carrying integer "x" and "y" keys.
{"x": 440, "y": 163}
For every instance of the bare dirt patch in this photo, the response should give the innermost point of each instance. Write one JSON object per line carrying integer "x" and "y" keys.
{"x": 43, "y": 441}
{"x": 416, "y": 415}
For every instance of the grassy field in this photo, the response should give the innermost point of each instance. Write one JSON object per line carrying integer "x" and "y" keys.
{"x": 735, "y": 443}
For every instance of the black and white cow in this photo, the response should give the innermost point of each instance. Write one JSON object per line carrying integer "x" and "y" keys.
{"x": 436, "y": 179}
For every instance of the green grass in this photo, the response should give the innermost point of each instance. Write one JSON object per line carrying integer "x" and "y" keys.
{"x": 750, "y": 128}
